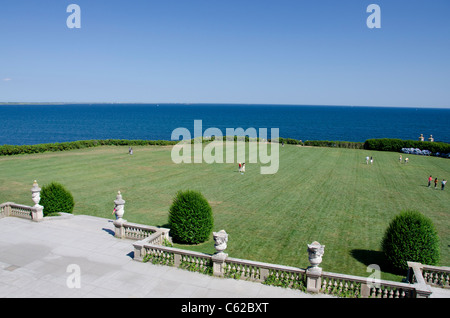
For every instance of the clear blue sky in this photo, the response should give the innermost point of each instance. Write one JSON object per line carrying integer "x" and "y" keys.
{"x": 317, "y": 52}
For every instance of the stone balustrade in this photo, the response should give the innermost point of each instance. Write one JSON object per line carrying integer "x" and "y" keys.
{"x": 436, "y": 276}
{"x": 291, "y": 277}
{"x": 21, "y": 211}
{"x": 427, "y": 275}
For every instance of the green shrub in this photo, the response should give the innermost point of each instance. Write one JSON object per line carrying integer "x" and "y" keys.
{"x": 190, "y": 218}
{"x": 411, "y": 237}
{"x": 396, "y": 145}
{"x": 336, "y": 144}
{"x": 56, "y": 198}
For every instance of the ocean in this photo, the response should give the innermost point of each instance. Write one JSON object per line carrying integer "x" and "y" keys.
{"x": 35, "y": 124}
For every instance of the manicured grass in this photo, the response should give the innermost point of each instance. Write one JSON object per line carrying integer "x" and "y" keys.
{"x": 318, "y": 194}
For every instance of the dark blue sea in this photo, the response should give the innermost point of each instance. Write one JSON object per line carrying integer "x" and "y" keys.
{"x": 34, "y": 124}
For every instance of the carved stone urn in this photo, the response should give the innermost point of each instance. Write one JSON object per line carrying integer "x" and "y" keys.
{"x": 315, "y": 251}
{"x": 36, "y": 194}
{"x": 220, "y": 239}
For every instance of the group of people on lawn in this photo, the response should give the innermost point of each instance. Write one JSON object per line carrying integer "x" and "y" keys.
{"x": 430, "y": 178}
{"x": 443, "y": 182}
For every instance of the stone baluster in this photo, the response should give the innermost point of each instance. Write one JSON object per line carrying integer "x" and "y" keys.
{"x": 221, "y": 239}
{"x": 37, "y": 214}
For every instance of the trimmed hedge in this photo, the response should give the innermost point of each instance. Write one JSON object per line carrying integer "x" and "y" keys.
{"x": 8, "y": 150}
{"x": 385, "y": 144}
{"x": 337, "y": 144}
{"x": 56, "y": 198}
{"x": 190, "y": 218}
{"x": 396, "y": 145}
{"x": 411, "y": 236}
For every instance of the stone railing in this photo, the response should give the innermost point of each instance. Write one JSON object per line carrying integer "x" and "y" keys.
{"x": 311, "y": 279}
{"x": 291, "y": 277}
{"x": 430, "y": 275}
{"x": 21, "y": 211}
{"x": 436, "y": 276}
{"x": 124, "y": 229}
{"x": 362, "y": 287}
{"x": 34, "y": 213}
{"x": 147, "y": 233}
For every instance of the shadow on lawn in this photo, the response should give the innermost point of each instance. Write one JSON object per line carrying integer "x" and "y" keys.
{"x": 368, "y": 257}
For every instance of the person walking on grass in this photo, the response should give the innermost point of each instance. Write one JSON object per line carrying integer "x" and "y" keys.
{"x": 240, "y": 167}
{"x": 371, "y": 160}
{"x": 429, "y": 181}
{"x": 435, "y": 182}
{"x": 400, "y": 159}
{"x": 443, "y": 182}
{"x": 367, "y": 160}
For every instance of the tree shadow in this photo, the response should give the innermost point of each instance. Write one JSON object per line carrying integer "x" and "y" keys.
{"x": 368, "y": 257}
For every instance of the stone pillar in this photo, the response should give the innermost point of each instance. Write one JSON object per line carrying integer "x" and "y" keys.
{"x": 119, "y": 212}
{"x": 314, "y": 272}
{"x": 139, "y": 251}
{"x": 221, "y": 239}
{"x": 37, "y": 214}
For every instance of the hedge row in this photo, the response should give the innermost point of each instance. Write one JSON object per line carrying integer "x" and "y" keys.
{"x": 396, "y": 145}
{"x": 8, "y": 150}
{"x": 337, "y": 144}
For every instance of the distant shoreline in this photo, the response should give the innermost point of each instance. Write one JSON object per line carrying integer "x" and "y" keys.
{"x": 208, "y": 104}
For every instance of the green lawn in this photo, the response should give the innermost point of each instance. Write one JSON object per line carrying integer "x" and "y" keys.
{"x": 318, "y": 194}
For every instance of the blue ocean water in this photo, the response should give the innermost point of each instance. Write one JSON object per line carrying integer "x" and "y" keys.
{"x": 34, "y": 124}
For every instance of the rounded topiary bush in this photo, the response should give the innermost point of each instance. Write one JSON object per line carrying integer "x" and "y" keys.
{"x": 190, "y": 218}
{"x": 56, "y": 198}
{"x": 411, "y": 237}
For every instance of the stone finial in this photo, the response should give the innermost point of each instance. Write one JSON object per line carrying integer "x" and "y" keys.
{"x": 431, "y": 139}
{"x": 119, "y": 206}
{"x": 315, "y": 251}
{"x": 421, "y": 138}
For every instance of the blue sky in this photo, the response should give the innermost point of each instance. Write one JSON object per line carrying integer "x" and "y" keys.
{"x": 317, "y": 52}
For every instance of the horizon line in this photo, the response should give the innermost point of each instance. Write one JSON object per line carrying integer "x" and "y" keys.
{"x": 213, "y": 103}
